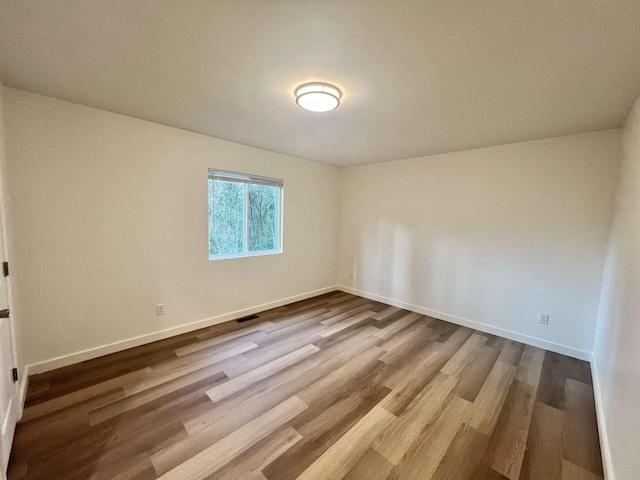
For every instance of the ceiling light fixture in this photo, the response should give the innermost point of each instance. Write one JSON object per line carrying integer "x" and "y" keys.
{"x": 318, "y": 97}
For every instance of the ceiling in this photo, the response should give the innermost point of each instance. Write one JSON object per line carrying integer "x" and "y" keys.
{"x": 419, "y": 77}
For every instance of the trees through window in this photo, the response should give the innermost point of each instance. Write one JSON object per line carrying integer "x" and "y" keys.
{"x": 245, "y": 215}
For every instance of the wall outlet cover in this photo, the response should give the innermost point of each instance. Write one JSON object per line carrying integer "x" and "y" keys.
{"x": 543, "y": 318}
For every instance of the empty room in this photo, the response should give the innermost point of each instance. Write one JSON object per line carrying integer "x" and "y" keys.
{"x": 320, "y": 239}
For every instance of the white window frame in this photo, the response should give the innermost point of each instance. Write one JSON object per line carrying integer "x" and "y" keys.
{"x": 227, "y": 176}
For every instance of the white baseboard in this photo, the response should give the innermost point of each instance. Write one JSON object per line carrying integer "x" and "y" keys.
{"x": 602, "y": 428}
{"x": 22, "y": 391}
{"x": 95, "y": 352}
{"x": 88, "y": 354}
{"x": 107, "y": 349}
{"x": 483, "y": 327}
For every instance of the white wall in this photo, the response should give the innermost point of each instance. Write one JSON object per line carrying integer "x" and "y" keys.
{"x": 16, "y": 327}
{"x": 109, "y": 218}
{"x": 617, "y": 345}
{"x": 493, "y": 235}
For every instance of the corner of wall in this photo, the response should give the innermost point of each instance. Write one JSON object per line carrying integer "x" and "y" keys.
{"x": 600, "y": 417}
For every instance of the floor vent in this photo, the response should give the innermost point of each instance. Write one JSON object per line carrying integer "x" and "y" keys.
{"x": 247, "y": 318}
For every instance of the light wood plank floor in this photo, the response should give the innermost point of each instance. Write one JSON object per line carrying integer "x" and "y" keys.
{"x": 332, "y": 387}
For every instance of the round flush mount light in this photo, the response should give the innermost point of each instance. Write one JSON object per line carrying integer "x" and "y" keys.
{"x": 318, "y": 97}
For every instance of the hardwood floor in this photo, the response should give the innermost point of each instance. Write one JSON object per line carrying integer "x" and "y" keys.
{"x": 332, "y": 387}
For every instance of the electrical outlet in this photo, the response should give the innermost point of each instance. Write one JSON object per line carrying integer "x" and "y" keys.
{"x": 160, "y": 309}
{"x": 543, "y": 318}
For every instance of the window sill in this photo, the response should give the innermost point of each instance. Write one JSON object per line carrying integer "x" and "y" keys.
{"x": 245, "y": 255}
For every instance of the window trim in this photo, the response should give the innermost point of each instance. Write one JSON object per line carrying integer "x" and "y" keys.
{"x": 228, "y": 176}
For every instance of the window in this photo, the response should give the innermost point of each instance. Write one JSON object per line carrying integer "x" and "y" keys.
{"x": 245, "y": 215}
